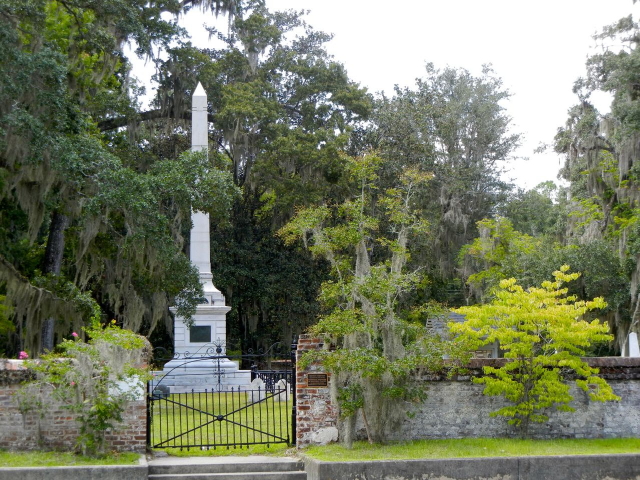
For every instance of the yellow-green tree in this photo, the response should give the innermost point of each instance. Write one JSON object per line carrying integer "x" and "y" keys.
{"x": 543, "y": 333}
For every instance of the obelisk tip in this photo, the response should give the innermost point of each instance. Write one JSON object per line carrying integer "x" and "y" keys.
{"x": 199, "y": 91}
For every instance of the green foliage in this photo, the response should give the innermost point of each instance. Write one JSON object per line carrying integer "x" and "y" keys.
{"x": 501, "y": 252}
{"x": 377, "y": 347}
{"x": 536, "y": 212}
{"x": 496, "y": 254}
{"x": 589, "y": 211}
{"x": 282, "y": 105}
{"x": 543, "y": 335}
{"x": 63, "y": 72}
{"x": 69, "y": 292}
{"x": 452, "y": 124}
{"x": 6, "y": 325}
{"x": 271, "y": 287}
{"x": 93, "y": 379}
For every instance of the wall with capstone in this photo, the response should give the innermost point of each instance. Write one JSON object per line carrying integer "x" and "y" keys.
{"x": 58, "y": 428}
{"x": 456, "y": 407}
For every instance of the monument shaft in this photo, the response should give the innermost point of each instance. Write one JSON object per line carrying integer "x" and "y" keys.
{"x": 199, "y": 361}
{"x": 200, "y": 244}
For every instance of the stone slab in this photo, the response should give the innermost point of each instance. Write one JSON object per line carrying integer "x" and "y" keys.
{"x": 582, "y": 467}
{"x": 92, "y": 472}
{"x": 444, "y": 469}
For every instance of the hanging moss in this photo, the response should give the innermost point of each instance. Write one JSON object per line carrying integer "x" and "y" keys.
{"x": 32, "y": 305}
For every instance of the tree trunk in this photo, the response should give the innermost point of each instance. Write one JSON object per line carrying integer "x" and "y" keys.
{"x": 53, "y": 265}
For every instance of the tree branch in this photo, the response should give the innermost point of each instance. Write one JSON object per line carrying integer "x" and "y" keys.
{"x": 150, "y": 115}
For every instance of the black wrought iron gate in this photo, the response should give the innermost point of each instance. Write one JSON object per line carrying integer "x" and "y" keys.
{"x": 218, "y": 414}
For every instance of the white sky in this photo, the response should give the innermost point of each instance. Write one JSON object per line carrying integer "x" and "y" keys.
{"x": 537, "y": 47}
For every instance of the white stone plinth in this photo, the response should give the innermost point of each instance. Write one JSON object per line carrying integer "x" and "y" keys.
{"x": 203, "y": 379}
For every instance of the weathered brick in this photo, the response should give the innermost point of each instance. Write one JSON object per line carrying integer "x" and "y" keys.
{"x": 58, "y": 429}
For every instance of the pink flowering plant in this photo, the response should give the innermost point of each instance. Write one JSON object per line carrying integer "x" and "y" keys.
{"x": 23, "y": 355}
{"x": 86, "y": 377}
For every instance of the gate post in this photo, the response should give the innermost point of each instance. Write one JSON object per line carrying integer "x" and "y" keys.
{"x": 149, "y": 406}
{"x": 294, "y": 385}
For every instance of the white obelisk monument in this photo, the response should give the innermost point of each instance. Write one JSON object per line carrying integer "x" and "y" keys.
{"x": 199, "y": 350}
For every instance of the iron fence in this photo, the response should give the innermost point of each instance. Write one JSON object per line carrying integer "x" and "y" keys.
{"x": 194, "y": 403}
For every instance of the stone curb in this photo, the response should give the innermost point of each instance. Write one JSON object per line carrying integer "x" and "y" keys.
{"x": 89, "y": 472}
{"x": 575, "y": 467}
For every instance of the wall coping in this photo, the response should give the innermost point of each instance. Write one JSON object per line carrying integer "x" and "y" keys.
{"x": 592, "y": 361}
{"x": 612, "y": 361}
{"x": 13, "y": 372}
{"x": 609, "y": 368}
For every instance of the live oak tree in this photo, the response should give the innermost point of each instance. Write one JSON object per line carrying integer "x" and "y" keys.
{"x": 96, "y": 197}
{"x": 601, "y": 163}
{"x": 379, "y": 340}
{"x": 281, "y": 111}
{"x": 84, "y": 223}
{"x": 543, "y": 333}
{"x": 454, "y": 125}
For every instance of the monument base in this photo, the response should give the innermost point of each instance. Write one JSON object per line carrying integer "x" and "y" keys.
{"x": 199, "y": 374}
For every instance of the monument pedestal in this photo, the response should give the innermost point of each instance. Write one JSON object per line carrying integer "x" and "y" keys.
{"x": 200, "y": 361}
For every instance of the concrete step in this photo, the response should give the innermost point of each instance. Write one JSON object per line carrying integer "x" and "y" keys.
{"x": 236, "y": 468}
{"x": 225, "y": 468}
{"x": 232, "y": 476}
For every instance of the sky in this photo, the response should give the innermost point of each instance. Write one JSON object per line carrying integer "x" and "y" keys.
{"x": 538, "y": 48}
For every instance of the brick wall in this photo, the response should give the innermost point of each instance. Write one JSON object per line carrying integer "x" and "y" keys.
{"x": 457, "y": 408}
{"x": 58, "y": 428}
{"x": 316, "y": 418}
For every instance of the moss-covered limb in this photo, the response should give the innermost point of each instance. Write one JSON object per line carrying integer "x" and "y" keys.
{"x": 378, "y": 351}
{"x": 32, "y": 303}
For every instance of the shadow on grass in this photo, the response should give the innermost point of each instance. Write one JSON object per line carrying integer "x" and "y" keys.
{"x": 273, "y": 450}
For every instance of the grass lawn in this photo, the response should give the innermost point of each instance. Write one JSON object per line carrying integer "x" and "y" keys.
{"x": 189, "y": 420}
{"x": 472, "y": 447}
{"x": 279, "y": 450}
{"x": 53, "y": 459}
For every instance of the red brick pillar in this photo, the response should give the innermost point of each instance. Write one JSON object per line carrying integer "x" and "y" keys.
{"x": 316, "y": 415}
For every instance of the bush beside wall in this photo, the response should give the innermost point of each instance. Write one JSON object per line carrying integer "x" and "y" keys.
{"x": 58, "y": 429}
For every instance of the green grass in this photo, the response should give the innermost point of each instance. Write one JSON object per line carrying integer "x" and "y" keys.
{"x": 53, "y": 459}
{"x": 189, "y": 420}
{"x": 472, "y": 447}
{"x": 279, "y": 450}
